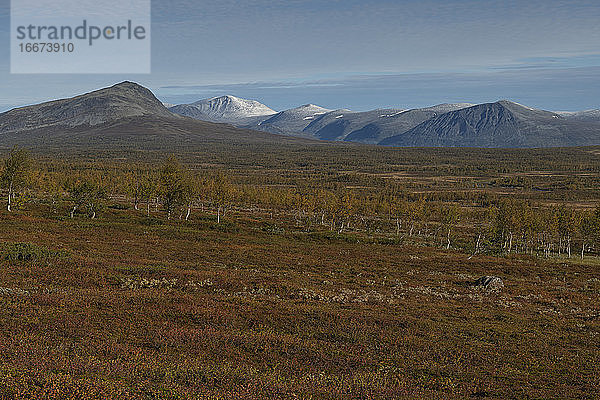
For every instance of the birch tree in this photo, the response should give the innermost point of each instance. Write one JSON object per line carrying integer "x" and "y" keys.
{"x": 86, "y": 196}
{"x": 191, "y": 192}
{"x": 15, "y": 173}
{"x": 221, "y": 193}
{"x": 149, "y": 188}
{"x": 588, "y": 230}
{"x": 171, "y": 185}
{"x": 450, "y": 217}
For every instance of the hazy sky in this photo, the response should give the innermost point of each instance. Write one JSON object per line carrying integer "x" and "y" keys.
{"x": 355, "y": 54}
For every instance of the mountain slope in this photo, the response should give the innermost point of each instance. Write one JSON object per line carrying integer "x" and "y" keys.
{"x": 373, "y": 126}
{"x": 500, "y": 124}
{"x": 337, "y": 125}
{"x": 587, "y": 115}
{"x": 290, "y": 122}
{"x": 226, "y": 109}
{"x": 124, "y": 116}
{"x": 123, "y": 100}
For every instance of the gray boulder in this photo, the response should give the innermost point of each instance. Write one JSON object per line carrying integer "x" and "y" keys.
{"x": 489, "y": 283}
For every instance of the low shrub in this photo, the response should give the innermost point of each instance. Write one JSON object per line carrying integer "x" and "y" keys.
{"x": 29, "y": 252}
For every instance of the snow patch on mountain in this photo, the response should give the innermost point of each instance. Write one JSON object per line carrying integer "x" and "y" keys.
{"x": 586, "y": 115}
{"x": 392, "y": 115}
{"x": 229, "y": 109}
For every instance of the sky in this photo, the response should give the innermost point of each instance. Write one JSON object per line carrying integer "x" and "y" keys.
{"x": 353, "y": 54}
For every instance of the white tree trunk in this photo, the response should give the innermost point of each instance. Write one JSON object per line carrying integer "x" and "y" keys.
{"x": 189, "y": 211}
{"x": 9, "y": 205}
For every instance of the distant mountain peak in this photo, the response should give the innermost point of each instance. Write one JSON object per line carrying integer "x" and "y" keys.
{"x": 447, "y": 107}
{"x": 514, "y": 104}
{"x": 306, "y": 111}
{"x": 127, "y": 84}
{"x": 123, "y": 100}
{"x": 126, "y": 87}
{"x": 500, "y": 124}
{"x": 228, "y": 109}
{"x": 311, "y": 107}
{"x": 586, "y": 115}
{"x": 225, "y": 98}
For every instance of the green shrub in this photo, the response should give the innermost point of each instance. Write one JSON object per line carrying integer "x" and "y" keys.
{"x": 29, "y": 252}
{"x": 273, "y": 229}
{"x": 151, "y": 221}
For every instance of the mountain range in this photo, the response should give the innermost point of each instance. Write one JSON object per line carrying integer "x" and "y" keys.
{"x": 128, "y": 113}
{"x": 125, "y": 115}
{"x": 499, "y": 124}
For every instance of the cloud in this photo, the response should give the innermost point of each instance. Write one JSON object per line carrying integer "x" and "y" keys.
{"x": 549, "y": 88}
{"x": 587, "y": 60}
{"x": 352, "y": 54}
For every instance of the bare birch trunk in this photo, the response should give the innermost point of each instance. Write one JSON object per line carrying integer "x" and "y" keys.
{"x": 9, "y": 205}
{"x": 189, "y": 211}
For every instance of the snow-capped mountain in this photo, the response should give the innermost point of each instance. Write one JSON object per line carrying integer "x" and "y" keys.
{"x": 225, "y": 109}
{"x": 587, "y": 115}
{"x": 311, "y": 120}
{"x": 499, "y": 124}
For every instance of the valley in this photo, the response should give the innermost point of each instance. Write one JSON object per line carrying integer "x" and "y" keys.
{"x": 150, "y": 255}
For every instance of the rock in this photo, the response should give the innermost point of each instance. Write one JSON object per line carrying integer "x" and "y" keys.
{"x": 489, "y": 283}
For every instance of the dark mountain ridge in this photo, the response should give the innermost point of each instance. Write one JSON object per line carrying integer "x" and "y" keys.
{"x": 123, "y": 100}
{"x": 499, "y": 124}
{"x": 125, "y": 115}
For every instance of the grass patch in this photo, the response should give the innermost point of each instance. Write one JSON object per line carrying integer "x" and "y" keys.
{"x": 30, "y": 252}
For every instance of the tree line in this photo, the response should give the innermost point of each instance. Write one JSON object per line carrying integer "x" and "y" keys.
{"x": 485, "y": 224}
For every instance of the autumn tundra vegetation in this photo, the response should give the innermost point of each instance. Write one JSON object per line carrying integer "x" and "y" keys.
{"x": 487, "y": 224}
{"x": 309, "y": 276}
